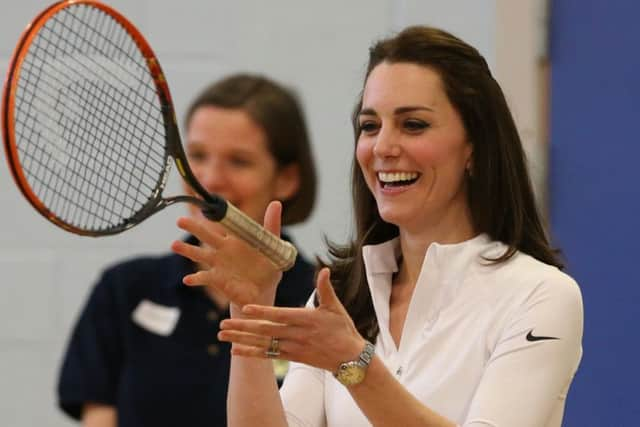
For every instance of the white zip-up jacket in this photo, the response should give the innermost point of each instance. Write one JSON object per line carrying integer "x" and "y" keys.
{"x": 483, "y": 344}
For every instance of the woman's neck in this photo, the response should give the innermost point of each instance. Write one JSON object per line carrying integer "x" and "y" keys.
{"x": 414, "y": 243}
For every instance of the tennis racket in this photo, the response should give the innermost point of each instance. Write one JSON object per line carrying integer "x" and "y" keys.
{"x": 90, "y": 130}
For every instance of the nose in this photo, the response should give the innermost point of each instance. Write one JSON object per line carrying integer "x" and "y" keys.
{"x": 386, "y": 144}
{"x": 212, "y": 176}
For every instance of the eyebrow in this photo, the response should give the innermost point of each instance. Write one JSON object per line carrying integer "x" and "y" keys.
{"x": 197, "y": 144}
{"x": 399, "y": 110}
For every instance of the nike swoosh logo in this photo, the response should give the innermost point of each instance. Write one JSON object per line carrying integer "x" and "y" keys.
{"x": 531, "y": 337}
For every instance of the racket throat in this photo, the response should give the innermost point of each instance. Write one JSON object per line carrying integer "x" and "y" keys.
{"x": 214, "y": 209}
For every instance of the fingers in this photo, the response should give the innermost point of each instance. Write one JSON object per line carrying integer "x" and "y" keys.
{"x": 205, "y": 230}
{"x": 235, "y": 290}
{"x": 326, "y": 295}
{"x": 273, "y": 217}
{"x": 257, "y": 327}
{"x": 253, "y": 338}
{"x": 198, "y": 278}
{"x": 283, "y": 315}
{"x": 287, "y": 351}
{"x": 319, "y": 337}
{"x": 197, "y": 254}
{"x": 245, "y": 339}
{"x": 248, "y": 351}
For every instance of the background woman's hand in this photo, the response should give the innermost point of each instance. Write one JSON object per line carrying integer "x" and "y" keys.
{"x": 234, "y": 268}
{"x": 323, "y": 337}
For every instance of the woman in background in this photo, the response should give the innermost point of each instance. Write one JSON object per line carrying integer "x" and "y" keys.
{"x": 144, "y": 351}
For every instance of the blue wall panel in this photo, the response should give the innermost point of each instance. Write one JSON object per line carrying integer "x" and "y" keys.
{"x": 595, "y": 196}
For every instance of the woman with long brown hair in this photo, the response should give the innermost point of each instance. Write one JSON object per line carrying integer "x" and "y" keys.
{"x": 448, "y": 307}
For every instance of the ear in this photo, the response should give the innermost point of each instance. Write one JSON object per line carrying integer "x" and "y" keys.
{"x": 287, "y": 182}
{"x": 469, "y": 164}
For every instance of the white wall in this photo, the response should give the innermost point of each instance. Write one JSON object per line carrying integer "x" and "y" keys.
{"x": 319, "y": 48}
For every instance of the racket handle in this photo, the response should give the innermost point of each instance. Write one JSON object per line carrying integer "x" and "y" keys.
{"x": 282, "y": 254}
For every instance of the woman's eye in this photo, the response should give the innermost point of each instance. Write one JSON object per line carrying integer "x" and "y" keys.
{"x": 196, "y": 156}
{"x": 368, "y": 127}
{"x": 414, "y": 125}
{"x": 239, "y": 162}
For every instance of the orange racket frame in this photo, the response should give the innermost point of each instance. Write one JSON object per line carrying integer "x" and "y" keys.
{"x": 282, "y": 253}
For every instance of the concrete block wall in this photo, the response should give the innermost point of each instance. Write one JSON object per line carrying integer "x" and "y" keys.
{"x": 318, "y": 48}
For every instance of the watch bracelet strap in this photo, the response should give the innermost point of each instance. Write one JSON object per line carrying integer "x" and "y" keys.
{"x": 366, "y": 356}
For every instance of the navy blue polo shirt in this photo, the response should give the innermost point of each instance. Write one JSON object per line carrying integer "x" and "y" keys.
{"x": 163, "y": 365}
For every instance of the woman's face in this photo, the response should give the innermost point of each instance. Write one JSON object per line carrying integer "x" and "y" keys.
{"x": 229, "y": 155}
{"x": 412, "y": 148}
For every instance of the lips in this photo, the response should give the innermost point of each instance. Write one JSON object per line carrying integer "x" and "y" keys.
{"x": 397, "y": 178}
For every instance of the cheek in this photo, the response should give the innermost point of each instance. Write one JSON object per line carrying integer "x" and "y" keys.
{"x": 437, "y": 158}
{"x": 196, "y": 169}
{"x": 248, "y": 187}
{"x": 185, "y": 187}
{"x": 448, "y": 164}
{"x": 251, "y": 185}
{"x": 364, "y": 156}
{"x": 253, "y": 194}
{"x": 428, "y": 152}
{"x": 364, "y": 153}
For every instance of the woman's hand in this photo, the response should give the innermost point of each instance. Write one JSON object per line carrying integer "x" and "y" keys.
{"x": 236, "y": 269}
{"x": 323, "y": 337}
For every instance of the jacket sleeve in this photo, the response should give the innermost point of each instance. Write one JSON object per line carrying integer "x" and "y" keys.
{"x": 534, "y": 360}
{"x": 303, "y": 396}
{"x": 92, "y": 361}
{"x": 302, "y": 393}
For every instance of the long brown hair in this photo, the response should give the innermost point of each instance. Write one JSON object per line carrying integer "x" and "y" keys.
{"x": 500, "y": 194}
{"x": 277, "y": 111}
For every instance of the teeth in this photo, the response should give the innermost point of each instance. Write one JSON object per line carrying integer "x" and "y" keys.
{"x": 391, "y": 177}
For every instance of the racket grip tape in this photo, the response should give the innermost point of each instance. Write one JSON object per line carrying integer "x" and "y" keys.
{"x": 282, "y": 254}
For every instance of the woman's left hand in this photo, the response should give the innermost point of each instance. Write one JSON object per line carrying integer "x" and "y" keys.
{"x": 237, "y": 270}
{"x": 324, "y": 336}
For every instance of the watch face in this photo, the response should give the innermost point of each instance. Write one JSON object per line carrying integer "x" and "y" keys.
{"x": 350, "y": 373}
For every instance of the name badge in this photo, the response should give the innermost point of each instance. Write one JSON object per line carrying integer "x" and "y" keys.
{"x": 156, "y": 318}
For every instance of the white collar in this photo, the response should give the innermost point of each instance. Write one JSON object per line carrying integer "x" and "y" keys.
{"x": 383, "y": 257}
{"x": 445, "y": 267}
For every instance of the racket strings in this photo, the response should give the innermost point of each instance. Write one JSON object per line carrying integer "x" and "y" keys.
{"x": 89, "y": 126}
{"x": 121, "y": 37}
{"x": 84, "y": 175}
{"x": 77, "y": 151}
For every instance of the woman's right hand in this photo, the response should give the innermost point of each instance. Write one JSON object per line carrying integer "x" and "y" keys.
{"x": 236, "y": 269}
{"x": 99, "y": 415}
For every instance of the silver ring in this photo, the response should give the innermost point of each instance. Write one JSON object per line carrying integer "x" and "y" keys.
{"x": 274, "y": 348}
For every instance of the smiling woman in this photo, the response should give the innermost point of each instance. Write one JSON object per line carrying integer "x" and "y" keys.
{"x": 229, "y": 155}
{"x": 413, "y": 151}
{"x": 448, "y": 305}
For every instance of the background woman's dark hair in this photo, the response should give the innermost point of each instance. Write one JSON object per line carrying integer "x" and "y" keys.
{"x": 277, "y": 111}
{"x": 500, "y": 194}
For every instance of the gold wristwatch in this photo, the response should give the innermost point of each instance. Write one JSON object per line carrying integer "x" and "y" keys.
{"x": 353, "y": 372}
